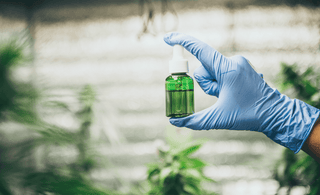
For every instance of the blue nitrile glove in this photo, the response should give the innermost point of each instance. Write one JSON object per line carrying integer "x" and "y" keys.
{"x": 245, "y": 100}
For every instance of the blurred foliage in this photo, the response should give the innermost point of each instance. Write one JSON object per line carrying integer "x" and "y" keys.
{"x": 25, "y": 163}
{"x": 16, "y": 97}
{"x": 177, "y": 172}
{"x": 301, "y": 169}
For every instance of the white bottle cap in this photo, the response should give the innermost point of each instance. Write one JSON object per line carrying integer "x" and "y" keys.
{"x": 178, "y": 64}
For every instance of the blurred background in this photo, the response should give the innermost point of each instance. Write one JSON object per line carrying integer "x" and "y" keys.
{"x": 98, "y": 69}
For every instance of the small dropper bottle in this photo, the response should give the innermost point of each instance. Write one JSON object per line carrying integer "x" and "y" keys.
{"x": 179, "y": 86}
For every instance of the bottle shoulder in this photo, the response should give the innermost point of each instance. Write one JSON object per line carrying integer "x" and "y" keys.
{"x": 174, "y": 78}
{"x": 178, "y": 76}
{"x": 169, "y": 77}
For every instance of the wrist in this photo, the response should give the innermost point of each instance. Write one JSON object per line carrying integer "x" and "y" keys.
{"x": 312, "y": 144}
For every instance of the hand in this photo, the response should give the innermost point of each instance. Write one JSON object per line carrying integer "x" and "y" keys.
{"x": 245, "y": 100}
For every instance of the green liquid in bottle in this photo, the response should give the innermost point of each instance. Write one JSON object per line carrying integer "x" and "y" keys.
{"x": 179, "y": 95}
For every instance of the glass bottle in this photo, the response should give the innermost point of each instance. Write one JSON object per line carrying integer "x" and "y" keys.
{"x": 179, "y": 86}
{"x": 179, "y": 95}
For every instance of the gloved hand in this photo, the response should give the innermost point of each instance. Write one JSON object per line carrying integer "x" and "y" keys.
{"x": 245, "y": 100}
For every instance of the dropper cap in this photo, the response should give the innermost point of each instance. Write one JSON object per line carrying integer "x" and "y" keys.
{"x": 178, "y": 64}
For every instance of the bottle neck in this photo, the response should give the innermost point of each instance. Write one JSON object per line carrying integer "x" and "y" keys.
{"x": 179, "y": 73}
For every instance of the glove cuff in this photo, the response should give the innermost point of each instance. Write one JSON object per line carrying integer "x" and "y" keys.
{"x": 290, "y": 122}
{"x": 314, "y": 119}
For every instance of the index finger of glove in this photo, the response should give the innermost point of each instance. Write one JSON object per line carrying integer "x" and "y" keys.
{"x": 210, "y": 58}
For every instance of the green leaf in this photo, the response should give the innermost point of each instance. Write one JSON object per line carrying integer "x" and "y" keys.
{"x": 57, "y": 104}
{"x": 190, "y": 150}
{"x": 195, "y": 163}
{"x": 152, "y": 166}
{"x": 87, "y": 96}
{"x": 10, "y": 53}
{"x": 56, "y": 135}
{"x": 206, "y": 178}
{"x": 309, "y": 72}
{"x": 152, "y": 175}
{"x": 168, "y": 159}
{"x": 192, "y": 173}
{"x": 187, "y": 147}
{"x": 309, "y": 88}
{"x": 192, "y": 189}
{"x": 175, "y": 167}
{"x": 164, "y": 174}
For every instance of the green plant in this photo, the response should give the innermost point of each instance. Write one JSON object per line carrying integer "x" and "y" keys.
{"x": 178, "y": 173}
{"x": 299, "y": 170}
{"x": 23, "y": 170}
{"x": 68, "y": 178}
